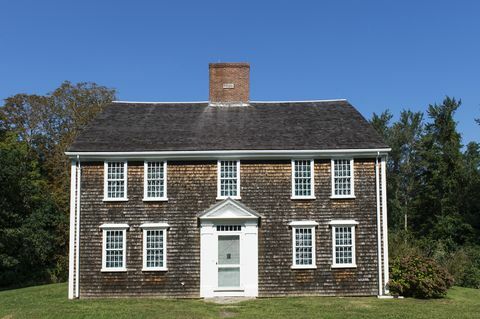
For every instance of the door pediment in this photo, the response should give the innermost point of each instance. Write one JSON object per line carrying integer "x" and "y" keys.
{"x": 229, "y": 209}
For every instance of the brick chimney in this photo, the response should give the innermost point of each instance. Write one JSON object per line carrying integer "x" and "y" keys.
{"x": 229, "y": 84}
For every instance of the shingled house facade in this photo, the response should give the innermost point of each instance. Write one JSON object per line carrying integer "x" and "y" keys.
{"x": 228, "y": 197}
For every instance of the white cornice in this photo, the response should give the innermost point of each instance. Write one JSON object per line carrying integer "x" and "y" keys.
{"x": 231, "y": 154}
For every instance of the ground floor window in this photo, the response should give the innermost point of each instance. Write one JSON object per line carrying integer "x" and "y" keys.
{"x": 303, "y": 244}
{"x": 343, "y": 243}
{"x": 114, "y": 247}
{"x": 154, "y": 246}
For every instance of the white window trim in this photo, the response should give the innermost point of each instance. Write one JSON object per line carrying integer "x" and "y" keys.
{"x": 105, "y": 228}
{"x": 154, "y": 226}
{"x": 145, "y": 188}
{"x": 304, "y": 224}
{"x": 312, "y": 182}
{"x": 352, "y": 179}
{"x": 344, "y": 223}
{"x": 105, "y": 183}
{"x": 219, "y": 196}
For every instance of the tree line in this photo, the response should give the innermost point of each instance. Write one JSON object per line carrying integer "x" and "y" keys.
{"x": 433, "y": 184}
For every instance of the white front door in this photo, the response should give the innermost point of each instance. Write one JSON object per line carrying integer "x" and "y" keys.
{"x": 228, "y": 262}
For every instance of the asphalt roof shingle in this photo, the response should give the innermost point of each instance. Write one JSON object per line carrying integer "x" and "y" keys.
{"x": 318, "y": 125}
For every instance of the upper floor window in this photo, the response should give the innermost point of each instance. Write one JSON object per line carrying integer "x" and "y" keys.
{"x": 228, "y": 179}
{"x": 115, "y": 187}
{"x": 114, "y": 247}
{"x": 155, "y": 181}
{"x": 343, "y": 243}
{"x": 303, "y": 244}
{"x": 342, "y": 178}
{"x": 302, "y": 179}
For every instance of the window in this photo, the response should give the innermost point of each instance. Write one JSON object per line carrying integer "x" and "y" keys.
{"x": 154, "y": 246}
{"x": 229, "y": 227}
{"x": 228, "y": 179}
{"x": 343, "y": 243}
{"x": 155, "y": 181}
{"x": 114, "y": 244}
{"x": 303, "y": 240}
{"x": 342, "y": 178}
{"x": 302, "y": 179}
{"x": 115, "y": 187}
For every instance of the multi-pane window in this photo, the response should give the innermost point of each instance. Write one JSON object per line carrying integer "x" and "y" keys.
{"x": 343, "y": 242}
{"x": 302, "y": 179}
{"x": 303, "y": 244}
{"x": 114, "y": 250}
{"x": 154, "y": 246}
{"x": 229, "y": 227}
{"x": 155, "y": 177}
{"x": 115, "y": 180}
{"x": 228, "y": 179}
{"x": 342, "y": 178}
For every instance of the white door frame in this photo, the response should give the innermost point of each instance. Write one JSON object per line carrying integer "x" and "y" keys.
{"x": 229, "y": 212}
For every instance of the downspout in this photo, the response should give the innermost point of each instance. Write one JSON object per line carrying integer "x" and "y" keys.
{"x": 379, "y": 243}
{"x": 71, "y": 253}
{"x": 384, "y": 220}
{"x": 77, "y": 259}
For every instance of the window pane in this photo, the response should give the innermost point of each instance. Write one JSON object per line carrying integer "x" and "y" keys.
{"x": 342, "y": 177}
{"x": 154, "y": 248}
{"x": 343, "y": 245}
{"x": 303, "y": 246}
{"x": 228, "y": 250}
{"x": 228, "y": 277}
{"x": 302, "y": 178}
{"x": 228, "y": 178}
{"x": 115, "y": 179}
{"x": 114, "y": 249}
{"x": 155, "y": 180}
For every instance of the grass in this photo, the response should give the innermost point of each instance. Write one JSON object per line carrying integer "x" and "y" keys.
{"x": 50, "y": 301}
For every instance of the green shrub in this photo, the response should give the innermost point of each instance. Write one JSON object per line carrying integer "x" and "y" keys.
{"x": 419, "y": 277}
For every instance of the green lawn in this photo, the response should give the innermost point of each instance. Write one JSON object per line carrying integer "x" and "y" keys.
{"x": 50, "y": 301}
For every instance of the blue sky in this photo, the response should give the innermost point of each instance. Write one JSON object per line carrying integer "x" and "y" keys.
{"x": 377, "y": 54}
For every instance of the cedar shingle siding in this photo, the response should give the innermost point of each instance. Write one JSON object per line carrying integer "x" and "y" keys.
{"x": 192, "y": 188}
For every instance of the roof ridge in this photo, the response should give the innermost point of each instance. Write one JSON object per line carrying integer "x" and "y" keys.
{"x": 203, "y": 102}
{"x": 146, "y": 102}
{"x": 301, "y": 101}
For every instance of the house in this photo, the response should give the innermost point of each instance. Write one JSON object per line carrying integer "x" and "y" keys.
{"x": 228, "y": 197}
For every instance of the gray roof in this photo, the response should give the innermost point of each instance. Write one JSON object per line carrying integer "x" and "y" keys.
{"x": 316, "y": 125}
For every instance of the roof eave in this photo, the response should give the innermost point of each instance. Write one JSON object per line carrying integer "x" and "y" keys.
{"x": 230, "y": 154}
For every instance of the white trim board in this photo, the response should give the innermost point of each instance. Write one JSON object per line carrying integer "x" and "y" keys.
{"x": 231, "y": 154}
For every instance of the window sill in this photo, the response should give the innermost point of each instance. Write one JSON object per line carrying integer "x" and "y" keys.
{"x": 115, "y": 199}
{"x": 303, "y": 197}
{"x": 164, "y": 199}
{"x": 303, "y": 267}
{"x": 154, "y": 269}
{"x": 342, "y": 197}
{"x": 225, "y": 197}
{"x": 344, "y": 266}
{"x": 114, "y": 270}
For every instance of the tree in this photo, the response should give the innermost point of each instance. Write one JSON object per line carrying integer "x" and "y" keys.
{"x": 45, "y": 126}
{"x": 438, "y": 205}
{"x": 30, "y": 236}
